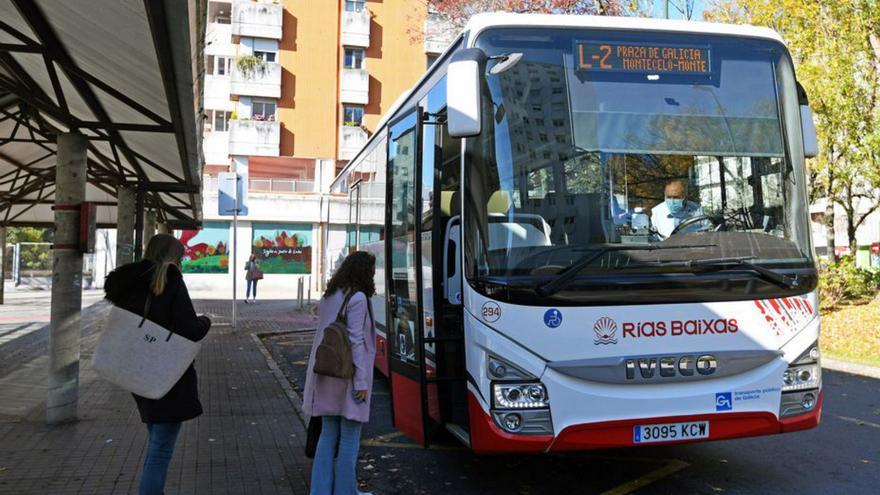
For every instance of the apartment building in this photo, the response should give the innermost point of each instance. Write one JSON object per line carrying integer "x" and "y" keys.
{"x": 293, "y": 89}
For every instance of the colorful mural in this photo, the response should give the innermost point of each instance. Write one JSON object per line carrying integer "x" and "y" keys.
{"x": 207, "y": 250}
{"x": 283, "y": 248}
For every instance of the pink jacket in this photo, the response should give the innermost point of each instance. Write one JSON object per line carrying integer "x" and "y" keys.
{"x": 328, "y": 396}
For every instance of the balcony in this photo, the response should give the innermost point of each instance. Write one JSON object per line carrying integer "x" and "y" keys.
{"x": 270, "y": 185}
{"x": 218, "y": 39}
{"x": 356, "y": 28}
{"x": 257, "y": 19}
{"x": 264, "y": 80}
{"x": 354, "y": 86}
{"x": 351, "y": 140}
{"x": 254, "y": 137}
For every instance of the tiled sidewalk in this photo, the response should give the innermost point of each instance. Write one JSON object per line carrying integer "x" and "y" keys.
{"x": 249, "y": 440}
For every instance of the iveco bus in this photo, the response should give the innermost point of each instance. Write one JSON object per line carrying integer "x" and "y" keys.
{"x": 592, "y": 232}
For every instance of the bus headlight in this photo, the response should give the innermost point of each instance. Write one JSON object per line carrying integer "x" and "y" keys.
{"x": 801, "y": 377}
{"x": 520, "y": 395}
{"x": 805, "y": 372}
{"x": 801, "y": 382}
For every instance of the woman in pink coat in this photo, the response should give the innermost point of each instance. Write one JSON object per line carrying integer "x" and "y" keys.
{"x": 343, "y": 405}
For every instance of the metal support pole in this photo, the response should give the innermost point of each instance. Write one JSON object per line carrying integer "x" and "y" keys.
{"x": 235, "y": 254}
{"x": 16, "y": 264}
{"x": 126, "y": 204}
{"x": 2, "y": 262}
{"x": 149, "y": 226}
{"x": 139, "y": 223}
{"x": 67, "y": 264}
{"x": 666, "y": 9}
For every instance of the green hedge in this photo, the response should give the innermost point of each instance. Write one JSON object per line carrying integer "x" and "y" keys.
{"x": 844, "y": 282}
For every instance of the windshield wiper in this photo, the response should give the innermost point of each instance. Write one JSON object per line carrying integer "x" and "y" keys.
{"x": 567, "y": 275}
{"x": 775, "y": 277}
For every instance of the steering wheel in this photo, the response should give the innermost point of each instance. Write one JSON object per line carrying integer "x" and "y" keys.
{"x": 717, "y": 222}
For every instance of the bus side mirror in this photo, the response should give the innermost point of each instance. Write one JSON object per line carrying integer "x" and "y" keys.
{"x": 464, "y": 88}
{"x": 808, "y": 130}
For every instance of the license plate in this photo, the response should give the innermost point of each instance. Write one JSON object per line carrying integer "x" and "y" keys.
{"x": 670, "y": 432}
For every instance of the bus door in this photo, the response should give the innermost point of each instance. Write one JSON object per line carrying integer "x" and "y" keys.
{"x": 406, "y": 364}
{"x": 441, "y": 301}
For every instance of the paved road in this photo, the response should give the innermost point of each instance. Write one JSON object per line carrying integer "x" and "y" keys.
{"x": 841, "y": 456}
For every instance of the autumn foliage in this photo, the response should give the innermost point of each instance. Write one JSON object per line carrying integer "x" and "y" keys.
{"x": 459, "y": 11}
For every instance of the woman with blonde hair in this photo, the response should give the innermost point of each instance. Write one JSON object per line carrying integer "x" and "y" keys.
{"x": 343, "y": 404}
{"x": 154, "y": 288}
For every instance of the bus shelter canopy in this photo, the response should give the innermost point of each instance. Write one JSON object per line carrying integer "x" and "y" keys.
{"x": 124, "y": 74}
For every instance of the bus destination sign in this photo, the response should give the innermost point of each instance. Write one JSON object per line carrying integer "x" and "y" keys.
{"x": 600, "y": 56}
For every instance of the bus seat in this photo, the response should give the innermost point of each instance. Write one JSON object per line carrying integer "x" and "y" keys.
{"x": 454, "y": 203}
{"x": 499, "y": 202}
{"x": 446, "y": 203}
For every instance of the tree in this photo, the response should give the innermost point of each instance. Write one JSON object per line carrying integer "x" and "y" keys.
{"x": 455, "y": 13}
{"x": 836, "y": 50}
{"x": 31, "y": 257}
{"x": 648, "y": 8}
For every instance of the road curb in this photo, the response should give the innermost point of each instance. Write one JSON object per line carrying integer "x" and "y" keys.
{"x": 289, "y": 391}
{"x": 848, "y": 367}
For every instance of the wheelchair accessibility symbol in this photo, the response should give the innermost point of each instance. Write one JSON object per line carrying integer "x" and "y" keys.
{"x": 553, "y": 318}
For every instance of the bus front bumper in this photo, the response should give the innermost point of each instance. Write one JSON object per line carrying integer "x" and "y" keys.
{"x": 487, "y": 437}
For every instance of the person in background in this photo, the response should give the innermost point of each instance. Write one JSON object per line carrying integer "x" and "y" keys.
{"x": 343, "y": 404}
{"x": 158, "y": 277}
{"x": 251, "y": 276}
{"x": 675, "y": 209}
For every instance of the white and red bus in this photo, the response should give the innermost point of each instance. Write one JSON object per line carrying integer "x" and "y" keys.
{"x": 592, "y": 232}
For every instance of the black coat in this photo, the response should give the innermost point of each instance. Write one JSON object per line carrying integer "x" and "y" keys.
{"x": 128, "y": 287}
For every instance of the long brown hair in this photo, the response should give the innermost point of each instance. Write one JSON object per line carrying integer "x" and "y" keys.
{"x": 163, "y": 250}
{"x": 355, "y": 273}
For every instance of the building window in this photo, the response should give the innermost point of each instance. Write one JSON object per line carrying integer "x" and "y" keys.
{"x": 218, "y": 66}
{"x": 266, "y": 56}
{"x": 557, "y": 90}
{"x": 354, "y": 5}
{"x": 542, "y": 137}
{"x": 352, "y": 115}
{"x": 558, "y": 122}
{"x": 220, "y": 120}
{"x": 354, "y": 58}
{"x": 539, "y": 121}
{"x": 263, "y": 110}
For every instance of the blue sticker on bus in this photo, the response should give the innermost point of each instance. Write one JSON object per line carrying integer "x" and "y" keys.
{"x": 553, "y": 318}
{"x": 723, "y": 401}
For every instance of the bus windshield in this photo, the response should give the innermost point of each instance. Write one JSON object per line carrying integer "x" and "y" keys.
{"x": 597, "y": 138}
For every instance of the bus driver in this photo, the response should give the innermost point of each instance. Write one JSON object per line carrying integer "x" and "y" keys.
{"x": 674, "y": 210}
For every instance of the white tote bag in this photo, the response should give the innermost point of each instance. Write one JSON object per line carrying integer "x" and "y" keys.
{"x": 141, "y": 356}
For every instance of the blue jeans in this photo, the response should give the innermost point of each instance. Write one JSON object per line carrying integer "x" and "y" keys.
{"x": 160, "y": 449}
{"x": 329, "y": 478}
{"x": 251, "y": 283}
